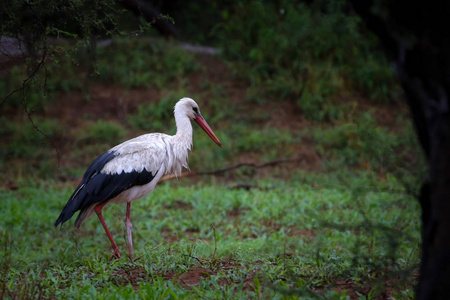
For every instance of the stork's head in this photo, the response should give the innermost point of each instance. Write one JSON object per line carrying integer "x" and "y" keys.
{"x": 190, "y": 108}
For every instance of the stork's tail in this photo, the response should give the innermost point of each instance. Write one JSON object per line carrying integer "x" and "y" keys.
{"x": 72, "y": 206}
{"x": 66, "y": 213}
{"x": 81, "y": 198}
{"x": 84, "y": 214}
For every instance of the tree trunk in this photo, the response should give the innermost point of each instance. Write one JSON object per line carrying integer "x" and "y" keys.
{"x": 417, "y": 40}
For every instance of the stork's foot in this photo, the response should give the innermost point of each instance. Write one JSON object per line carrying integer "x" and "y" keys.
{"x": 128, "y": 225}
{"x": 116, "y": 254}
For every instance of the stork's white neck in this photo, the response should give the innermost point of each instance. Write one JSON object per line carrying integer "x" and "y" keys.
{"x": 182, "y": 141}
{"x": 184, "y": 129}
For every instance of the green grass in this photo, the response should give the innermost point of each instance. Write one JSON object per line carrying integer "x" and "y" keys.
{"x": 281, "y": 243}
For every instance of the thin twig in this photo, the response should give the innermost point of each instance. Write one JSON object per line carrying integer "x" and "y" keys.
{"x": 24, "y": 90}
{"x": 196, "y": 258}
{"x": 26, "y": 80}
{"x": 159, "y": 245}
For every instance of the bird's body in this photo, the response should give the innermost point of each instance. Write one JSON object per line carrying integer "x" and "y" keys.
{"x": 131, "y": 170}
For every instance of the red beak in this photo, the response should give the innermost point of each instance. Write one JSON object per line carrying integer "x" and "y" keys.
{"x": 202, "y": 123}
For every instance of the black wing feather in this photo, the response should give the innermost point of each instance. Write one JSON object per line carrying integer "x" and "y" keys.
{"x": 97, "y": 187}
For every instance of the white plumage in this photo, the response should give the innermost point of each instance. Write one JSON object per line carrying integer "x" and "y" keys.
{"x": 131, "y": 170}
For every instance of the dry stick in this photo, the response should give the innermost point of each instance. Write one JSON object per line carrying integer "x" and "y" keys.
{"x": 226, "y": 169}
{"x": 196, "y": 258}
{"x": 160, "y": 244}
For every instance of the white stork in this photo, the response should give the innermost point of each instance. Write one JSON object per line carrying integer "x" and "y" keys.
{"x": 131, "y": 170}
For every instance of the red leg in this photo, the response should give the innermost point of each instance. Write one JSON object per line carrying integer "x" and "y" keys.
{"x": 98, "y": 211}
{"x": 128, "y": 225}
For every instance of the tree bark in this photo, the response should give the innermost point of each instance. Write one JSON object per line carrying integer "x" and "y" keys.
{"x": 417, "y": 40}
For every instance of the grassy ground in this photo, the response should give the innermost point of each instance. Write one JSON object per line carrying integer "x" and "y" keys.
{"x": 286, "y": 240}
{"x": 338, "y": 220}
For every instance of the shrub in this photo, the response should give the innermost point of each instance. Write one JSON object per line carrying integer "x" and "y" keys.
{"x": 22, "y": 140}
{"x": 313, "y": 54}
{"x": 102, "y": 132}
{"x": 156, "y": 116}
{"x": 144, "y": 63}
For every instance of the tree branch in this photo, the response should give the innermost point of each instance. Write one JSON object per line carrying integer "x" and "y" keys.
{"x": 233, "y": 167}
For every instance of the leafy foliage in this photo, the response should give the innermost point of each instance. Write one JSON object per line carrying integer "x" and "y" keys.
{"x": 37, "y": 20}
{"x": 313, "y": 54}
{"x": 27, "y": 26}
{"x": 364, "y": 143}
{"x": 23, "y": 134}
{"x": 144, "y": 63}
{"x": 155, "y": 116}
{"x": 102, "y": 132}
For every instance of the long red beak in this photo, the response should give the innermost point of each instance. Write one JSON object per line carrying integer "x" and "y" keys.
{"x": 202, "y": 123}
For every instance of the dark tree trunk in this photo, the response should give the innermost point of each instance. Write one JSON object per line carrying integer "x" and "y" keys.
{"x": 416, "y": 37}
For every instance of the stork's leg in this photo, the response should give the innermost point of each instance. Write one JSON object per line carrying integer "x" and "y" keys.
{"x": 98, "y": 211}
{"x": 128, "y": 225}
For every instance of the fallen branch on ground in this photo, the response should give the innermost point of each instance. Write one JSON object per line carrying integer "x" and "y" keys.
{"x": 248, "y": 187}
{"x": 233, "y": 167}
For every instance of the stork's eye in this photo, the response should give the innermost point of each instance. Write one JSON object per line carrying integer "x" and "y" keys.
{"x": 195, "y": 110}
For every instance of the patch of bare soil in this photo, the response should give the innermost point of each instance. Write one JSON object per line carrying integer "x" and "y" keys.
{"x": 187, "y": 280}
{"x": 131, "y": 276}
{"x": 179, "y": 204}
{"x": 351, "y": 288}
{"x": 194, "y": 276}
{"x": 105, "y": 102}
